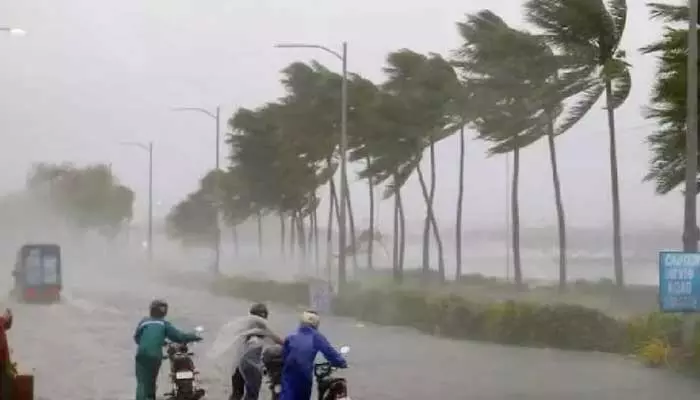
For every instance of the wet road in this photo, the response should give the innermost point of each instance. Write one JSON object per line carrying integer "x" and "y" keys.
{"x": 82, "y": 350}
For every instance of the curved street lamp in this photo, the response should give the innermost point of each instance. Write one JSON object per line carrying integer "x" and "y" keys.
{"x": 342, "y": 230}
{"x": 13, "y": 31}
{"x": 148, "y": 148}
{"x": 216, "y": 116}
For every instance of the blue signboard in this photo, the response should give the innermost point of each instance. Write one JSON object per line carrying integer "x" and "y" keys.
{"x": 679, "y": 281}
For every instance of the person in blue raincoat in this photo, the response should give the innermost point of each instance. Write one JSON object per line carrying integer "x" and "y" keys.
{"x": 150, "y": 337}
{"x": 299, "y": 352}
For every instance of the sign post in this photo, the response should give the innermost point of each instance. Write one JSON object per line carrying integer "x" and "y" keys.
{"x": 679, "y": 282}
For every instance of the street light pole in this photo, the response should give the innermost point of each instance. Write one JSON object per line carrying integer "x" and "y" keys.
{"x": 690, "y": 227}
{"x": 149, "y": 149}
{"x": 217, "y": 161}
{"x": 342, "y": 231}
{"x": 690, "y": 233}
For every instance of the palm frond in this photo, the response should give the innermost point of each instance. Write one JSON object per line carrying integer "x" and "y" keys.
{"x": 581, "y": 107}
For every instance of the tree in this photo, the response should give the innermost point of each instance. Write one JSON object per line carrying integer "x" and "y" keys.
{"x": 427, "y": 88}
{"x": 193, "y": 221}
{"x": 492, "y": 49}
{"x": 271, "y": 164}
{"x": 89, "y": 198}
{"x": 392, "y": 155}
{"x": 514, "y": 76}
{"x": 362, "y": 132}
{"x": 588, "y": 33}
{"x": 669, "y": 101}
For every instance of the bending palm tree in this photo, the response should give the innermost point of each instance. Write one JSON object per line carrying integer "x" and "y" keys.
{"x": 588, "y": 33}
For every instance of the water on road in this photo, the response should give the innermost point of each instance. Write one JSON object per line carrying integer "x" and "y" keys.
{"x": 82, "y": 350}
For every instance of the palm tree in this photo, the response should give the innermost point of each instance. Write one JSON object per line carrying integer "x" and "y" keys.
{"x": 393, "y": 157}
{"x": 588, "y": 33}
{"x": 669, "y": 102}
{"x": 362, "y": 118}
{"x": 511, "y": 73}
{"x": 313, "y": 99}
{"x": 427, "y": 88}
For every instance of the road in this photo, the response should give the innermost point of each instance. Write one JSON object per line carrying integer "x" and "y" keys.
{"x": 82, "y": 350}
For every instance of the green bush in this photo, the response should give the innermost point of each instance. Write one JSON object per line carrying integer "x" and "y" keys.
{"x": 561, "y": 326}
{"x": 294, "y": 293}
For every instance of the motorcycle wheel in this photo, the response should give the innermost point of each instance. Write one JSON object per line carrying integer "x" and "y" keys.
{"x": 185, "y": 390}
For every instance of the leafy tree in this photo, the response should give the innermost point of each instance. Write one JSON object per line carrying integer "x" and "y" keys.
{"x": 669, "y": 98}
{"x": 90, "y": 198}
{"x": 314, "y": 98}
{"x": 193, "y": 221}
{"x": 588, "y": 34}
{"x": 426, "y": 88}
{"x": 511, "y": 68}
{"x": 362, "y": 131}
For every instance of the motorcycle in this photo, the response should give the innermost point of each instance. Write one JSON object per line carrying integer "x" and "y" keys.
{"x": 330, "y": 387}
{"x": 183, "y": 374}
{"x": 272, "y": 362}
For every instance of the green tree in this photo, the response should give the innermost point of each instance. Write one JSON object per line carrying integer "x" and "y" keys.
{"x": 273, "y": 166}
{"x": 588, "y": 35}
{"x": 515, "y": 77}
{"x": 499, "y": 61}
{"x": 90, "y": 198}
{"x": 669, "y": 98}
{"x": 426, "y": 87}
{"x": 393, "y": 156}
{"x": 364, "y": 96}
{"x": 193, "y": 221}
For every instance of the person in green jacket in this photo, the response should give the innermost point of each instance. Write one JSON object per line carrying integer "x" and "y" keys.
{"x": 150, "y": 337}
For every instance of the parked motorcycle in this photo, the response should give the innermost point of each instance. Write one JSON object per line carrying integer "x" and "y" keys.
{"x": 183, "y": 374}
{"x": 330, "y": 387}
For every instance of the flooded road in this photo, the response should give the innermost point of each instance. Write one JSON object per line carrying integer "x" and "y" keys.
{"x": 82, "y": 350}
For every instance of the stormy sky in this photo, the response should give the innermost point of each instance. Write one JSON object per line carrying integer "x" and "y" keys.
{"x": 93, "y": 73}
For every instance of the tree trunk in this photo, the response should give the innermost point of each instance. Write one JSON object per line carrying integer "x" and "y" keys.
{"x": 460, "y": 199}
{"x": 351, "y": 220}
{"x": 515, "y": 211}
{"x": 561, "y": 220}
{"x": 433, "y": 221}
{"x": 329, "y": 234}
{"x": 370, "y": 244}
{"x": 617, "y": 228}
{"x": 283, "y": 234}
{"x": 234, "y": 233}
{"x": 260, "y": 234}
{"x": 436, "y": 232}
{"x": 334, "y": 197}
{"x": 402, "y": 242}
{"x": 293, "y": 234}
{"x": 302, "y": 238}
{"x": 395, "y": 248}
{"x": 425, "y": 267}
{"x": 317, "y": 242}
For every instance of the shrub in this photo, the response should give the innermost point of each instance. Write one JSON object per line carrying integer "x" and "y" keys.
{"x": 654, "y": 352}
{"x": 510, "y": 322}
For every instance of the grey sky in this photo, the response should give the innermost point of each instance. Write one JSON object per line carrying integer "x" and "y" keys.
{"x": 92, "y": 73}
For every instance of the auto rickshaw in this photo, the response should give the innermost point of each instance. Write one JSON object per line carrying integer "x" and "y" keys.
{"x": 37, "y": 273}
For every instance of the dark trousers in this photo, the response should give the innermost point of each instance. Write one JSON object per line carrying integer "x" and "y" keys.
{"x": 246, "y": 382}
{"x": 147, "y": 369}
{"x": 237, "y": 385}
